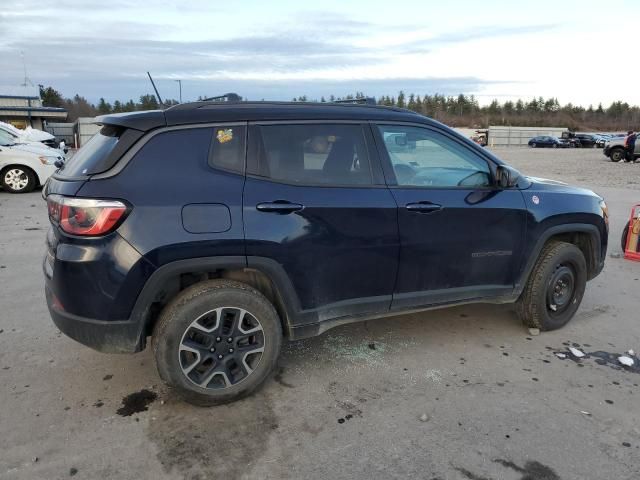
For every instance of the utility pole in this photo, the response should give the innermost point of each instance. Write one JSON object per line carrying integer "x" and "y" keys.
{"x": 180, "y": 86}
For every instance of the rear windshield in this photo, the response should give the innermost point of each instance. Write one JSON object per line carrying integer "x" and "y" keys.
{"x": 93, "y": 155}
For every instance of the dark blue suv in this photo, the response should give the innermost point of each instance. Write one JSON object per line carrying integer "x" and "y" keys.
{"x": 218, "y": 229}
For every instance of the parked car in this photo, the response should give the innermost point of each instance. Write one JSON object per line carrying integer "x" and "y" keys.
{"x": 614, "y": 149}
{"x": 601, "y": 139}
{"x": 571, "y": 139}
{"x": 19, "y": 138}
{"x": 587, "y": 140}
{"x": 265, "y": 237}
{"x": 24, "y": 167}
{"x": 30, "y": 135}
{"x": 546, "y": 141}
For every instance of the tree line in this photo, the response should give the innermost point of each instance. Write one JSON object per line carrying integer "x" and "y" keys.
{"x": 456, "y": 111}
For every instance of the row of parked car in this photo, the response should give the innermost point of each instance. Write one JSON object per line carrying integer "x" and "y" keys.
{"x": 27, "y": 158}
{"x": 574, "y": 140}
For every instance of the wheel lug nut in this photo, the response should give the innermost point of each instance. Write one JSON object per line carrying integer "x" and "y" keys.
{"x": 212, "y": 350}
{"x": 218, "y": 339}
{"x": 229, "y": 339}
{"x": 231, "y": 350}
{"x": 220, "y": 357}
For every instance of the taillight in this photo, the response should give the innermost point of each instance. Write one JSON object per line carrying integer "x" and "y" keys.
{"x": 85, "y": 216}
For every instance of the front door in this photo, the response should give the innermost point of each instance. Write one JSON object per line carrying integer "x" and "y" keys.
{"x": 461, "y": 237}
{"x": 316, "y": 203}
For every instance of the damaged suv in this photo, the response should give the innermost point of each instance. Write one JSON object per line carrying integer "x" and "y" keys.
{"x": 219, "y": 229}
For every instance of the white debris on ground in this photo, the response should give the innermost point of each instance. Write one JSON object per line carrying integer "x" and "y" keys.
{"x": 576, "y": 353}
{"x": 433, "y": 375}
{"x": 534, "y": 332}
{"x": 357, "y": 351}
{"x": 561, "y": 355}
{"x": 626, "y": 361}
{"x": 631, "y": 353}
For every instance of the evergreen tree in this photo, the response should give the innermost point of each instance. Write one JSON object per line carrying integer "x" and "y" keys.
{"x": 401, "y": 100}
{"x": 51, "y": 97}
{"x": 104, "y": 107}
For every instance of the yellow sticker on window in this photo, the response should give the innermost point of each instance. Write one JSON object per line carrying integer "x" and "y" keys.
{"x": 225, "y": 136}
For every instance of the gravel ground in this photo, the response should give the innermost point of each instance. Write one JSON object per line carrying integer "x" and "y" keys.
{"x": 463, "y": 393}
{"x": 586, "y": 167}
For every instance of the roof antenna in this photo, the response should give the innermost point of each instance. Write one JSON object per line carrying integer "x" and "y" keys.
{"x": 27, "y": 80}
{"x": 154, "y": 87}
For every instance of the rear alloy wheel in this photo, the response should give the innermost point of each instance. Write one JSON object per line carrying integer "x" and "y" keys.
{"x": 217, "y": 342}
{"x": 555, "y": 287}
{"x": 18, "y": 179}
{"x": 555, "y": 145}
{"x": 534, "y": 145}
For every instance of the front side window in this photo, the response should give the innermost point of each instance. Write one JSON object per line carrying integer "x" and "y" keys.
{"x": 425, "y": 158}
{"x": 322, "y": 154}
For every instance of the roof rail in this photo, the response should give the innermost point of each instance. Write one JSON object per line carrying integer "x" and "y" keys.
{"x": 227, "y": 97}
{"x": 361, "y": 100}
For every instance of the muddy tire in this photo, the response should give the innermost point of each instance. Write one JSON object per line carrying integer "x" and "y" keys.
{"x": 555, "y": 287}
{"x": 617, "y": 154}
{"x": 217, "y": 342}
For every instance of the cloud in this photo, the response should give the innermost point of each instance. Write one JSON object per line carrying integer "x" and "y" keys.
{"x": 308, "y": 52}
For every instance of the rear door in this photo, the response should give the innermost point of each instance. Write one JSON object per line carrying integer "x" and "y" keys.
{"x": 315, "y": 202}
{"x": 460, "y": 237}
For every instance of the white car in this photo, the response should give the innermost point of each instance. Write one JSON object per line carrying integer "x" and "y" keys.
{"x": 30, "y": 135}
{"x": 24, "y": 167}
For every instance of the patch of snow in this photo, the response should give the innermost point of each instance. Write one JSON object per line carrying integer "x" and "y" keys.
{"x": 626, "y": 361}
{"x": 576, "y": 353}
{"x": 561, "y": 355}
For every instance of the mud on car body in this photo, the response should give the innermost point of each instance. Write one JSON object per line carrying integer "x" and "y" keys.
{"x": 218, "y": 230}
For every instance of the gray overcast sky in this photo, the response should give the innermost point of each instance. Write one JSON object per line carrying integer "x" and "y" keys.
{"x": 281, "y": 49}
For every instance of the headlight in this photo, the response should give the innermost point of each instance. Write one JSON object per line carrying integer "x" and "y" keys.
{"x": 47, "y": 160}
{"x": 605, "y": 212}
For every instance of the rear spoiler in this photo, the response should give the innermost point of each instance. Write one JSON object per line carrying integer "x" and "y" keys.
{"x": 142, "y": 121}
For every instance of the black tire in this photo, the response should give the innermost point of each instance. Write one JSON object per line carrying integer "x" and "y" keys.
{"x": 623, "y": 239}
{"x": 25, "y": 173}
{"x": 617, "y": 154}
{"x": 557, "y": 261}
{"x": 176, "y": 325}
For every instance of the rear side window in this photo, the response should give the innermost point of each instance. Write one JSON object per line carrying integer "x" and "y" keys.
{"x": 323, "y": 154}
{"x": 227, "y": 149}
{"x": 94, "y": 156}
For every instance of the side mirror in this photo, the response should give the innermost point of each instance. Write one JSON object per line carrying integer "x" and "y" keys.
{"x": 401, "y": 140}
{"x": 507, "y": 177}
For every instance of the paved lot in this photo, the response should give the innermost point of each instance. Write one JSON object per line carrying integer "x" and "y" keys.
{"x": 498, "y": 403}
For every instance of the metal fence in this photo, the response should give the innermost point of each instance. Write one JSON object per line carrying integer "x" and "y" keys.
{"x": 62, "y": 131}
{"x": 86, "y": 129}
{"x": 500, "y": 136}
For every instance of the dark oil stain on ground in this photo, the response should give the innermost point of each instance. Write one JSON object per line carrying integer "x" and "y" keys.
{"x": 532, "y": 470}
{"x": 136, "y": 402}
{"x": 606, "y": 359}
{"x": 216, "y": 442}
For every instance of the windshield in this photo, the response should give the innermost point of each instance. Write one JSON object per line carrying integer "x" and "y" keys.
{"x": 7, "y": 138}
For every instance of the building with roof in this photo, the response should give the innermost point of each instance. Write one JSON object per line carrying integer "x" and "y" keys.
{"x": 22, "y": 107}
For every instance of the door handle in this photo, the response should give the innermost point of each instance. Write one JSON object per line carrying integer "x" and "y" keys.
{"x": 279, "y": 206}
{"x": 423, "y": 207}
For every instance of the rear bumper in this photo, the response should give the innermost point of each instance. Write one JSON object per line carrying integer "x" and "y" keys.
{"x": 101, "y": 335}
